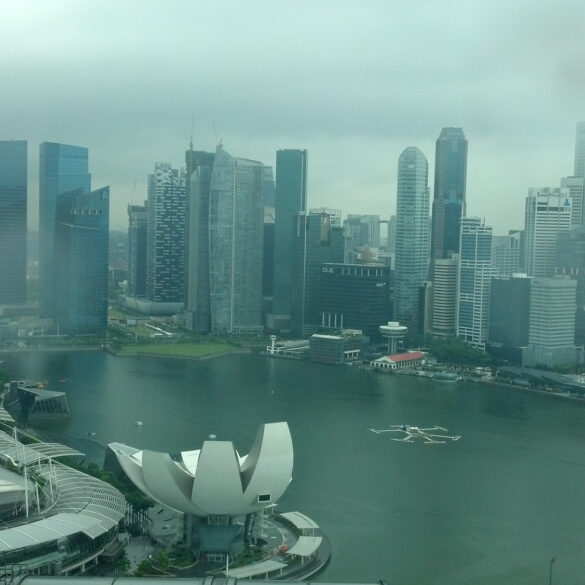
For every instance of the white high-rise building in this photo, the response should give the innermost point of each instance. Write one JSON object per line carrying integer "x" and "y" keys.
{"x": 548, "y": 212}
{"x": 444, "y": 296}
{"x": 475, "y": 274}
{"x": 551, "y": 331}
{"x": 579, "y": 170}
{"x": 412, "y": 246}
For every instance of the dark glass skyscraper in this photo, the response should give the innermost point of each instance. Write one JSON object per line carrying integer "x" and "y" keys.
{"x": 315, "y": 241}
{"x": 137, "y": 238}
{"x": 291, "y": 198}
{"x": 81, "y": 272}
{"x": 449, "y": 195}
{"x": 63, "y": 168}
{"x": 13, "y": 196}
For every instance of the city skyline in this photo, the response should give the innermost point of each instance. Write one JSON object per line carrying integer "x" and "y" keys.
{"x": 488, "y": 68}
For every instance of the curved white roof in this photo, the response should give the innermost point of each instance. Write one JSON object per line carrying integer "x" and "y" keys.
{"x": 215, "y": 479}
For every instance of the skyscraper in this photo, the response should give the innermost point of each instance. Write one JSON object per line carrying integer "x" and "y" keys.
{"x": 197, "y": 309}
{"x": 551, "y": 331}
{"x": 444, "y": 293}
{"x": 13, "y": 216}
{"x": 475, "y": 274}
{"x": 449, "y": 192}
{"x": 236, "y": 216}
{"x": 548, "y": 213}
{"x": 290, "y": 199}
{"x": 412, "y": 235}
{"x": 63, "y": 168}
{"x": 579, "y": 169}
{"x": 81, "y": 273}
{"x": 137, "y": 239}
{"x": 165, "y": 259}
{"x": 317, "y": 239}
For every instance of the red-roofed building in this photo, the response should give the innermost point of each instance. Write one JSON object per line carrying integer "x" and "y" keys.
{"x": 410, "y": 359}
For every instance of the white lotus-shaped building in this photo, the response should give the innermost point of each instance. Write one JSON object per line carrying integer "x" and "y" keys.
{"x": 215, "y": 479}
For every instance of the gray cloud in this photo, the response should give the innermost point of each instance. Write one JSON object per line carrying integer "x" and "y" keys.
{"x": 353, "y": 82}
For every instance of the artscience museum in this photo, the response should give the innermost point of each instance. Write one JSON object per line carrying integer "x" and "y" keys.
{"x": 217, "y": 490}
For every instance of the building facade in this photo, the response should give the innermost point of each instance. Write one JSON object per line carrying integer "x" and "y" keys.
{"x": 290, "y": 199}
{"x": 354, "y": 296}
{"x": 551, "y": 331}
{"x": 548, "y": 213}
{"x": 81, "y": 274}
{"x": 137, "y": 246}
{"x": 449, "y": 191}
{"x": 509, "y": 315}
{"x": 63, "y": 168}
{"x": 444, "y": 293}
{"x": 475, "y": 274}
{"x": 13, "y": 221}
{"x": 412, "y": 244}
{"x": 317, "y": 239}
{"x": 506, "y": 253}
{"x": 167, "y": 222}
{"x": 236, "y": 217}
{"x": 197, "y": 307}
{"x": 576, "y": 190}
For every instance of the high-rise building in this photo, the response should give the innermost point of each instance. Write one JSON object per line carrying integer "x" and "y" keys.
{"x": 81, "y": 272}
{"x": 165, "y": 257}
{"x": 444, "y": 291}
{"x": 412, "y": 236}
{"x": 548, "y": 213}
{"x": 475, "y": 274}
{"x": 570, "y": 261}
{"x": 290, "y": 199}
{"x": 317, "y": 239}
{"x": 506, "y": 253}
{"x": 354, "y": 296}
{"x": 449, "y": 192}
{"x": 137, "y": 247}
{"x": 362, "y": 231}
{"x": 13, "y": 217}
{"x": 509, "y": 315}
{"x": 552, "y": 323}
{"x": 236, "y": 215}
{"x": 579, "y": 169}
{"x": 197, "y": 309}
{"x": 63, "y": 168}
{"x": 576, "y": 189}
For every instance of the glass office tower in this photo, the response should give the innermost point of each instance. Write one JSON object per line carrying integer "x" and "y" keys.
{"x": 291, "y": 198}
{"x": 13, "y": 216}
{"x": 449, "y": 194}
{"x": 81, "y": 272}
{"x": 236, "y": 218}
{"x": 63, "y": 168}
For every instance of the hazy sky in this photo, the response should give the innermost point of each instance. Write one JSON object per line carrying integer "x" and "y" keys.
{"x": 354, "y": 82}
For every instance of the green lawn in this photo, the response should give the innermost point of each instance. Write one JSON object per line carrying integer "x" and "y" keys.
{"x": 178, "y": 349}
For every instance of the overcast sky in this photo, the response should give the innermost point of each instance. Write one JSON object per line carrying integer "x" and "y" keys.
{"x": 354, "y": 82}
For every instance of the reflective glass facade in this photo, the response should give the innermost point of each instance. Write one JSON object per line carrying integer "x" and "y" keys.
{"x": 81, "y": 274}
{"x": 13, "y": 216}
{"x": 291, "y": 198}
{"x": 412, "y": 235}
{"x": 236, "y": 218}
{"x": 449, "y": 193}
{"x": 63, "y": 168}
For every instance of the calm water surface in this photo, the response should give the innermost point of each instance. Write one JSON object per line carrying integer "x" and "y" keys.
{"x": 491, "y": 508}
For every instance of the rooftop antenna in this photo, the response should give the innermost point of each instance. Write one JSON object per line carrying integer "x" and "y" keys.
{"x": 191, "y": 141}
{"x": 218, "y": 139}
